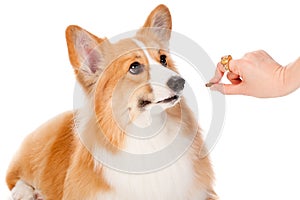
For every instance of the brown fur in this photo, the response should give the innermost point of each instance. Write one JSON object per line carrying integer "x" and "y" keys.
{"x": 44, "y": 157}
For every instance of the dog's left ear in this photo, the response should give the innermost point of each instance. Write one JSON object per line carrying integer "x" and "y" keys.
{"x": 160, "y": 23}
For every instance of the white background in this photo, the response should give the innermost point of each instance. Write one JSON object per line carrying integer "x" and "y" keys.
{"x": 257, "y": 156}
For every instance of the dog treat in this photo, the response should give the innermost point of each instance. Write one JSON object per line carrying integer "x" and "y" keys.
{"x": 209, "y": 84}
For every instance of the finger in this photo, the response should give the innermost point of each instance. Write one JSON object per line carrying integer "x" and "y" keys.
{"x": 237, "y": 66}
{"x": 218, "y": 74}
{"x": 228, "y": 89}
{"x": 233, "y": 78}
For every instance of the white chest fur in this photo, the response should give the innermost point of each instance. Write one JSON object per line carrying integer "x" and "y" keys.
{"x": 174, "y": 182}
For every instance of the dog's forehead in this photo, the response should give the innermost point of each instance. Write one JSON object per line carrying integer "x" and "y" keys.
{"x": 141, "y": 45}
{"x": 125, "y": 46}
{"x": 137, "y": 48}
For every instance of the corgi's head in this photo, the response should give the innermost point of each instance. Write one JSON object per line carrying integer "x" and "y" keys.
{"x": 125, "y": 80}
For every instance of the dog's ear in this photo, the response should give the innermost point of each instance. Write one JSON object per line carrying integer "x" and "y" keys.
{"x": 160, "y": 23}
{"x": 84, "y": 50}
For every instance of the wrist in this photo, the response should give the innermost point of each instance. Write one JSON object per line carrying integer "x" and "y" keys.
{"x": 292, "y": 76}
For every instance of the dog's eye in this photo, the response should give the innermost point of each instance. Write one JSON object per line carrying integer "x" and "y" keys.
{"x": 136, "y": 68}
{"x": 163, "y": 60}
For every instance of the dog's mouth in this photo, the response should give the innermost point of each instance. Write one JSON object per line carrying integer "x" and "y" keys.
{"x": 143, "y": 103}
{"x": 169, "y": 99}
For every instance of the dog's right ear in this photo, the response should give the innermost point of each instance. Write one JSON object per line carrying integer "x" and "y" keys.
{"x": 84, "y": 50}
{"x": 159, "y": 24}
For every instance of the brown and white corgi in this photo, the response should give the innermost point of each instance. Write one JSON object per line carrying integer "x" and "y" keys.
{"x": 90, "y": 153}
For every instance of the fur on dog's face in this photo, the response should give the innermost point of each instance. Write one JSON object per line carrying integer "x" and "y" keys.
{"x": 126, "y": 79}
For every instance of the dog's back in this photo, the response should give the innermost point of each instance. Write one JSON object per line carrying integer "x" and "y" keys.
{"x": 47, "y": 149}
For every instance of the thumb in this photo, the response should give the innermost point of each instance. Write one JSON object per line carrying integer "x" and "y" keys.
{"x": 228, "y": 88}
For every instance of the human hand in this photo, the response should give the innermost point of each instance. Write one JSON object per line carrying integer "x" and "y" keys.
{"x": 256, "y": 74}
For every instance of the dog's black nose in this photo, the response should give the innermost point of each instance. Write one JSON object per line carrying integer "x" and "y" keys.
{"x": 176, "y": 83}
